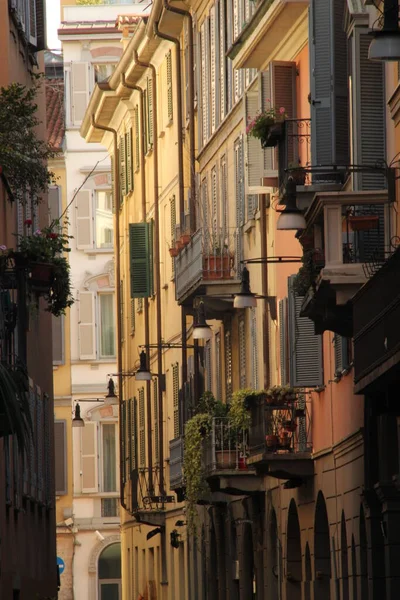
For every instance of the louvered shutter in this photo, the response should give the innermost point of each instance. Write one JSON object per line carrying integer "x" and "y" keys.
{"x": 79, "y": 91}
{"x": 204, "y": 203}
{"x": 128, "y": 461}
{"x": 284, "y": 95}
{"x": 242, "y": 353}
{"x": 265, "y": 91}
{"x": 142, "y": 432}
{"x": 129, "y": 161}
{"x": 239, "y": 196}
{"x": 122, "y": 169}
{"x": 228, "y": 364}
{"x": 112, "y": 158}
{"x": 140, "y": 260}
{"x": 329, "y": 97}
{"x": 89, "y": 458}
{"x": 196, "y": 61}
{"x": 341, "y": 351}
{"x": 204, "y": 83}
{"x": 58, "y": 340}
{"x": 137, "y": 139}
{"x": 224, "y": 198}
{"x": 175, "y": 396}
{"x": 60, "y": 454}
{"x": 133, "y": 316}
{"x": 283, "y": 341}
{"x": 222, "y": 58}
{"x": 369, "y": 121}
{"x": 150, "y": 110}
{"x": 169, "y": 87}
{"x": 156, "y": 422}
{"x": 173, "y": 228}
{"x": 87, "y": 332}
{"x": 207, "y": 360}
{"x": 187, "y": 69}
{"x": 54, "y": 203}
{"x": 305, "y": 348}
{"x": 134, "y": 464}
{"x": 32, "y": 23}
{"x": 124, "y": 442}
{"x": 253, "y": 150}
{"x": 214, "y": 201}
{"x": 213, "y": 70}
{"x": 254, "y": 348}
{"x": 84, "y": 220}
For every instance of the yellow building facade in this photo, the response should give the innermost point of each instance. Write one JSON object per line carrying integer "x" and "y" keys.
{"x": 198, "y": 209}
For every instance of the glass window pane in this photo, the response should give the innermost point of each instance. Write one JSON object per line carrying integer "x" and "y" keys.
{"x": 110, "y": 562}
{"x": 109, "y": 459}
{"x": 104, "y": 219}
{"x": 107, "y": 336}
{"x": 109, "y": 591}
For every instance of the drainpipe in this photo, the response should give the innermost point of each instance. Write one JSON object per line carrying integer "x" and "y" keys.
{"x": 264, "y": 291}
{"x": 181, "y": 182}
{"x": 118, "y": 296}
{"x": 157, "y": 270}
{"x": 192, "y": 205}
{"x": 137, "y": 88}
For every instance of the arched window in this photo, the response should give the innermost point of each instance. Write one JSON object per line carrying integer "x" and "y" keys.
{"x": 322, "y": 555}
{"x": 109, "y": 573}
{"x": 293, "y": 555}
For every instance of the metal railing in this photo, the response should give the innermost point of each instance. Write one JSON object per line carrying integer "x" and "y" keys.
{"x": 280, "y": 429}
{"x": 294, "y": 150}
{"x": 226, "y": 448}
{"x": 210, "y": 255}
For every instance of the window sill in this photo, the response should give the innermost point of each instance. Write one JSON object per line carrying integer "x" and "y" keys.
{"x": 99, "y": 251}
{"x": 249, "y": 225}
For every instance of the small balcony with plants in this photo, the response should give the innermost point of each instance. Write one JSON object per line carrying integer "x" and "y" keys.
{"x": 280, "y": 434}
{"x": 343, "y": 242}
{"x": 207, "y": 264}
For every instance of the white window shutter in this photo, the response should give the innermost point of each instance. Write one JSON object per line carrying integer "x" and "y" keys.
{"x": 90, "y": 483}
{"x": 84, "y": 220}
{"x": 222, "y": 59}
{"x": 204, "y": 83}
{"x": 54, "y": 201}
{"x": 213, "y": 73}
{"x": 79, "y": 91}
{"x": 87, "y": 332}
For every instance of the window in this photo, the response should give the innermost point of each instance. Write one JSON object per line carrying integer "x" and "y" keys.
{"x": 107, "y": 333}
{"x": 103, "y": 71}
{"x": 60, "y": 451}
{"x": 104, "y": 219}
{"x": 109, "y": 457}
{"x": 110, "y": 573}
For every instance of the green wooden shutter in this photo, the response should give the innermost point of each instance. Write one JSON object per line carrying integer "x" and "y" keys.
{"x": 169, "y": 87}
{"x": 329, "y": 97}
{"x": 137, "y": 139}
{"x": 305, "y": 348}
{"x": 156, "y": 422}
{"x": 141, "y": 259}
{"x": 150, "y": 110}
{"x": 134, "y": 434}
{"x": 133, "y": 316}
{"x": 124, "y": 450}
{"x": 128, "y": 464}
{"x": 142, "y": 431}
{"x": 207, "y": 361}
{"x": 283, "y": 341}
{"x": 254, "y": 349}
{"x": 175, "y": 395}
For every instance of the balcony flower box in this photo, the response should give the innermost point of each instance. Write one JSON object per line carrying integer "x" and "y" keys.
{"x": 217, "y": 267}
{"x": 267, "y": 126}
{"x": 362, "y": 222}
{"x": 225, "y": 459}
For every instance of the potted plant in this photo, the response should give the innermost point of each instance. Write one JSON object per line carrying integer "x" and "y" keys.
{"x": 297, "y": 172}
{"x": 217, "y": 263}
{"x": 42, "y": 254}
{"x": 305, "y": 278}
{"x": 271, "y": 438}
{"x": 185, "y": 238}
{"x": 267, "y": 126}
{"x": 173, "y": 252}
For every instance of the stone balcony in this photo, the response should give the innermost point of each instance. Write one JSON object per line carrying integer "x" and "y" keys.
{"x": 347, "y": 232}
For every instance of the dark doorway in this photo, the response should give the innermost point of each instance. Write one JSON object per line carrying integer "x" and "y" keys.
{"x": 293, "y": 555}
{"x": 322, "y": 555}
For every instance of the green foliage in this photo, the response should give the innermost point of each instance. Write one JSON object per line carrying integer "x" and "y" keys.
{"x": 23, "y": 156}
{"x": 239, "y": 415}
{"x": 305, "y": 278}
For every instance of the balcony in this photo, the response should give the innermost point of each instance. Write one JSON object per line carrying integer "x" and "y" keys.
{"x": 346, "y": 232}
{"x": 225, "y": 460}
{"x": 207, "y": 265}
{"x": 176, "y": 466}
{"x": 376, "y": 310}
{"x": 280, "y": 439}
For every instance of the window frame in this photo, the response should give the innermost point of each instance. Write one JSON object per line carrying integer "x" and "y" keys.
{"x": 100, "y": 356}
{"x": 95, "y": 219}
{"x": 100, "y": 465}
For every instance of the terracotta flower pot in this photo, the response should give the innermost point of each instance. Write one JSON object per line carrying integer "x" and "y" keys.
{"x": 178, "y": 245}
{"x": 185, "y": 239}
{"x": 271, "y": 440}
{"x": 173, "y": 252}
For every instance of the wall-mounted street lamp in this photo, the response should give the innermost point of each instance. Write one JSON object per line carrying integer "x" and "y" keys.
{"x": 245, "y": 298}
{"x": 201, "y": 329}
{"x": 291, "y": 217}
{"x": 143, "y": 373}
{"x": 109, "y": 400}
{"x": 385, "y": 45}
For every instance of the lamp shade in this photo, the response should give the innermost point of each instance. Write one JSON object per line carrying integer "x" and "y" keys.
{"x": 291, "y": 219}
{"x": 201, "y": 329}
{"x": 143, "y": 373}
{"x": 111, "y": 397}
{"x": 77, "y": 421}
{"x": 385, "y": 46}
{"x": 245, "y": 298}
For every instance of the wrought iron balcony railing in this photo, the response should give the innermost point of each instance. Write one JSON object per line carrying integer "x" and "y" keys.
{"x": 294, "y": 150}
{"x": 283, "y": 429}
{"x": 225, "y": 448}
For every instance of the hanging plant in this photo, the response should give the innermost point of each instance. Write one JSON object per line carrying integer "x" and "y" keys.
{"x": 23, "y": 155}
{"x": 239, "y": 415}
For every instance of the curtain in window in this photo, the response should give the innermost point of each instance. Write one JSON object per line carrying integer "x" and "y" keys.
{"x": 109, "y": 459}
{"x": 107, "y": 343}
